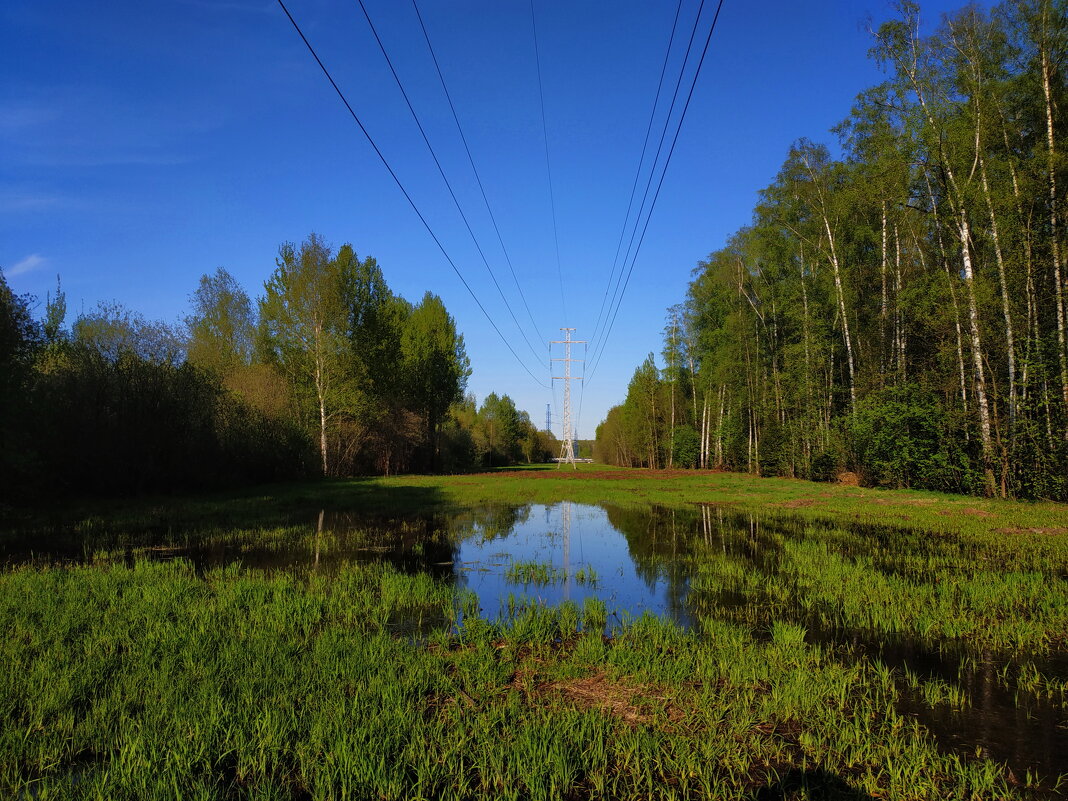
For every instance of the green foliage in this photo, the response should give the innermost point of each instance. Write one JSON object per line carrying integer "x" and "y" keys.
{"x": 497, "y": 432}
{"x": 436, "y": 367}
{"x": 114, "y": 331}
{"x": 826, "y": 465}
{"x": 900, "y": 439}
{"x": 456, "y": 447}
{"x": 929, "y": 255}
{"x": 115, "y": 426}
{"x": 55, "y": 314}
{"x": 221, "y": 326}
{"x": 121, "y": 404}
{"x": 303, "y": 324}
{"x": 686, "y": 447}
{"x": 20, "y": 336}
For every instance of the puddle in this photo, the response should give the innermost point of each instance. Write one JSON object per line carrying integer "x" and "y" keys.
{"x": 641, "y": 561}
{"x": 573, "y": 552}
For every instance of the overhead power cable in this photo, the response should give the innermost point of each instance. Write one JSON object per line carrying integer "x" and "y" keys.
{"x": 474, "y": 169}
{"x": 638, "y": 172}
{"x": 548, "y": 167}
{"x": 441, "y": 171}
{"x": 400, "y": 185}
{"x": 582, "y": 394}
{"x": 653, "y": 166}
{"x": 660, "y": 184}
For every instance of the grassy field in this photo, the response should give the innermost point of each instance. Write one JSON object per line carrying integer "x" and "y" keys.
{"x": 1019, "y": 524}
{"x": 150, "y": 680}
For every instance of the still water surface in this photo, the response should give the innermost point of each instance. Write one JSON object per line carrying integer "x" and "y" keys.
{"x": 636, "y": 562}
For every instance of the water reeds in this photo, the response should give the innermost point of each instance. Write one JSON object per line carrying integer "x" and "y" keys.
{"x": 529, "y": 572}
{"x": 835, "y": 578}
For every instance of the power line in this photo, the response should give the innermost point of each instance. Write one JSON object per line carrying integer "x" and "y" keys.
{"x": 548, "y": 168}
{"x": 474, "y": 169}
{"x": 660, "y": 184}
{"x": 441, "y": 171}
{"x": 656, "y": 160}
{"x": 638, "y": 172}
{"x": 404, "y": 191}
{"x": 582, "y": 394}
{"x": 663, "y": 174}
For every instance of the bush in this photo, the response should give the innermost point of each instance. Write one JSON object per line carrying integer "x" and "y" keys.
{"x": 826, "y": 464}
{"x": 686, "y": 447}
{"x": 130, "y": 425}
{"x": 903, "y": 437}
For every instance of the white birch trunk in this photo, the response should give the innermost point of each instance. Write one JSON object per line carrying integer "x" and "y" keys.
{"x": 1058, "y": 284}
{"x": 719, "y": 425}
{"x": 845, "y": 318}
{"x": 883, "y": 311}
{"x": 899, "y": 319}
{"x": 977, "y": 356}
{"x": 1010, "y": 339}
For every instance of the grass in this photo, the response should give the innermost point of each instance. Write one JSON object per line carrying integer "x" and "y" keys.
{"x": 151, "y": 682}
{"x": 1021, "y": 525}
{"x": 587, "y": 575}
{"x": 130, "y": 679}
{"x": 891, "y": 583}
{"x": 527, "y": 572}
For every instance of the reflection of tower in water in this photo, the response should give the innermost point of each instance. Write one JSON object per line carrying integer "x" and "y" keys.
{"x": 565, "y": 523}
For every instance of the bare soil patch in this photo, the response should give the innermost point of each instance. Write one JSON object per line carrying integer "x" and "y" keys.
{"x": 633, "y": 703}
{"x": 628, "y": 702}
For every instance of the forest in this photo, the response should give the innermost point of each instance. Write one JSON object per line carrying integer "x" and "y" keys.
{"x": 327, "y": 373}
{"x": 896, "y": 310}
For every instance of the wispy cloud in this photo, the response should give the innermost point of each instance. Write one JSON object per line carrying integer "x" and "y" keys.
{"x": 222, "y": 5}
{"x": 15, "y": 201}
{"x": 34, "y": 261}
{"x": 96, "y": 126}
{"x": 17, "y": 118}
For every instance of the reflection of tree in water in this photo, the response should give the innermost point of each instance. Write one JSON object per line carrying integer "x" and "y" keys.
{"x": 412, "y": 543}
{"x": 664, "y": 543}
{"x": 489, "y": 522}
{"x": 660, "y": 540}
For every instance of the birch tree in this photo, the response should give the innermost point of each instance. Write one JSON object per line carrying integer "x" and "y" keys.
{"x": 302, "y": 317}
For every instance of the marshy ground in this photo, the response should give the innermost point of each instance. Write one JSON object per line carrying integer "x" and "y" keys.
{"x": 334, "y": 640}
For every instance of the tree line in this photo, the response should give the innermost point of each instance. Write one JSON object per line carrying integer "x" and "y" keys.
{"x": 327, "y": 373}
{"x": 900, "y": 310}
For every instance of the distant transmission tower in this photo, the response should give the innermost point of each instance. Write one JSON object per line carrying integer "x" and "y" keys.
{"x": 567, "y": 446}
{"x": 548, "y": 417}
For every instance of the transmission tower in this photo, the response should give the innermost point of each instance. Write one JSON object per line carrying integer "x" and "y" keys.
{"x": 548, "y": 417}
{"x": 567, "y": 446}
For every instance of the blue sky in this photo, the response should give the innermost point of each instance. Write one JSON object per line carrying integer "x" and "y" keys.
{"x": 144, "y": 144}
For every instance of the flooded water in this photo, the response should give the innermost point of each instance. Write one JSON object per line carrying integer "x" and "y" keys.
{"x": 585, "y": 556}
{"x": 637, "y": 561}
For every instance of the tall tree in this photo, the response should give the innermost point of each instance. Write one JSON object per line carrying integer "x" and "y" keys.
{"x": 435, "y": 364}
{"x": 303, "y": 322}
{"x": 221, "y": 325}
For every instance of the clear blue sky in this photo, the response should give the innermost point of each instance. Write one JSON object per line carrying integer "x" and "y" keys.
{"x": 143, "y": 144}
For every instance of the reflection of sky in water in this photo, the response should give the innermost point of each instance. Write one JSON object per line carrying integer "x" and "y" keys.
{"x": 568, "y": 537}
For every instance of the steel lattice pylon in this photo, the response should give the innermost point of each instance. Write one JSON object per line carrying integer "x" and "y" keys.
{"x": 567, "y": 447}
